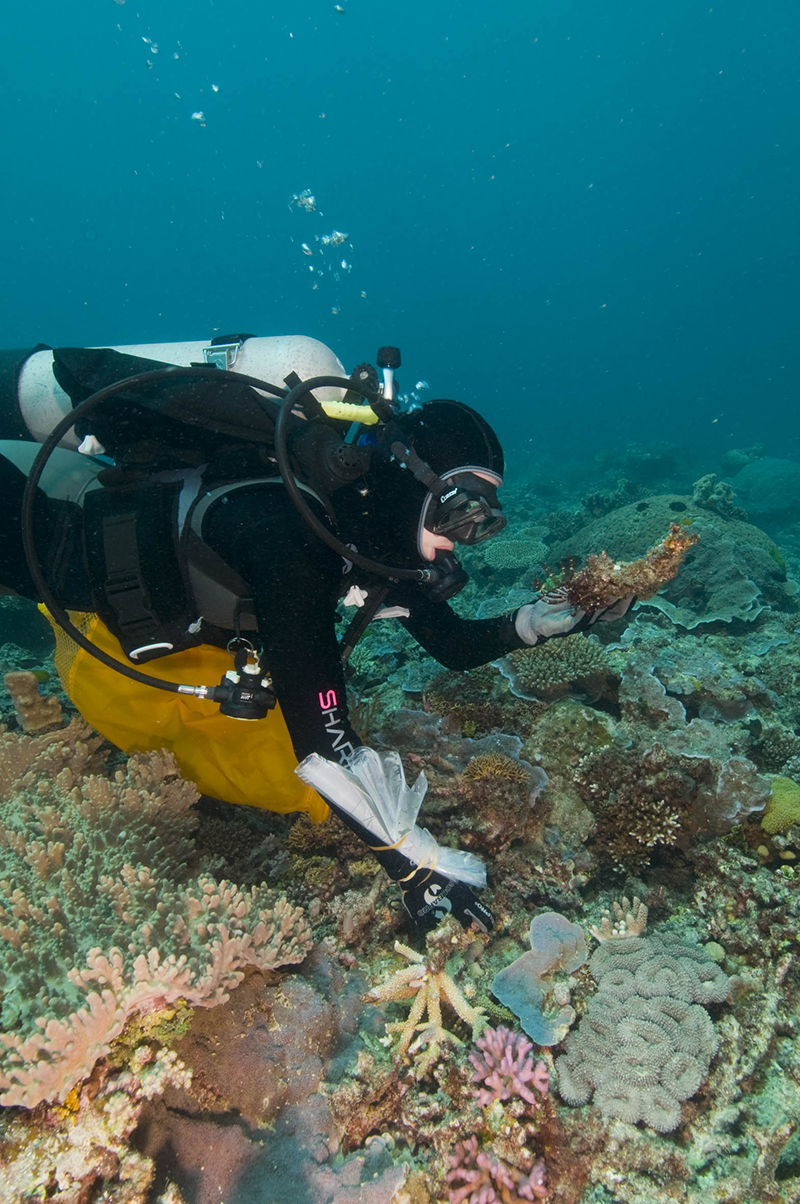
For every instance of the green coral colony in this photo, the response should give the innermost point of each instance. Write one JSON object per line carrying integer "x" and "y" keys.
{"x": 178, "y": 976}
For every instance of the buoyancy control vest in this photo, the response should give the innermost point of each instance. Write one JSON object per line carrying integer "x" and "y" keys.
{"x": 177, "y": 447}
{"x": 158, "y": 586}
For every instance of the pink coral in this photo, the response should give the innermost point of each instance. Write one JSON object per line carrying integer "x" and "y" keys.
{"x": 506, "y": 1068}
{"x": 480, "y": 1177}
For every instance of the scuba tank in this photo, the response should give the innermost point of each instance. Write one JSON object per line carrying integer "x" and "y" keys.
{"x": 32, "y": 400}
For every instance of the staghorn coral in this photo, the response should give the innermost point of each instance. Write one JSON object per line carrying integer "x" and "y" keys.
{"x": 427, "y": 981}
{"x": 604, "y": 581}
{"x": 645, "y": 1041}
{"x": 549, "y": 669}
{"x": 478, "y": 1176}
{"x": 99, "y": 919}
{"x": 503, "y": 1064}
{"x": 515, "y": 555}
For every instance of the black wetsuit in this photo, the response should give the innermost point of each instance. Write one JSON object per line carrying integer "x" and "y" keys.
{"x": 296, "y": 582}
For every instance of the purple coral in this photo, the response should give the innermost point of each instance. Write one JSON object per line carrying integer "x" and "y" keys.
{"x": 480, "y": 1177}
{"x": 506, "y": 1067}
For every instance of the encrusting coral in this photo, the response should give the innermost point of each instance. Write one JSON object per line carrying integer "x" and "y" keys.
{"x": 99, "y": 917}
{"x": 535, "y": 986}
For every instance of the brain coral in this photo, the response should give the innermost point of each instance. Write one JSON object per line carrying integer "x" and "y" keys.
{"x": 730, "y": 574}
{"x": 783, "y": 808}
{"x": 551, "y": 668}
{"x": 645, "y": 1041}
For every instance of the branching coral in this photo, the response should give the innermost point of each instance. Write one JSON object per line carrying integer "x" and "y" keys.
{"x": 504, "y": 1065}
{"x": 603, "y": 581}
{"x": 641, "y": 801}
{"x": 428, "y": 981}
{"x": 479, "y": 1177}
{"x": 34, "y": 712}
{"x": 630, "y": 919}
{"x": 551, "y": 668}
{"x": 98, "y": 917}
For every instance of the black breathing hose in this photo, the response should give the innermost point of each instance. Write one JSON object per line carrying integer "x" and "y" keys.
{"x": 29, "y": 499}
{"x": 284, "y": 466}
{"x": 280, "y": 413}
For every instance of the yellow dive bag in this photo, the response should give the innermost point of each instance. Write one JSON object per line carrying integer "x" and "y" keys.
{"x": 239, "y": 761}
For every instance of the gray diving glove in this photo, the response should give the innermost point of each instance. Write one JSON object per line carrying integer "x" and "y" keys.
{"x": 546, "y": 618}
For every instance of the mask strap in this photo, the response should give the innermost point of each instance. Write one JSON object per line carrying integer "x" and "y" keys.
{"x": 419, "y": 468}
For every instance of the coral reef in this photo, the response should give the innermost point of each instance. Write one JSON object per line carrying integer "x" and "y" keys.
{"x": 99, "y": 918}
{"x": 531, "y": 986}
{"x": 551, "y": 668}
{"x": 645, "y": 1042}
{"x": 82, "y": 1153}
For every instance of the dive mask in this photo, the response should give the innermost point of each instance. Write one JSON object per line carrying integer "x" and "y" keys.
{"x": 467, "y": 511}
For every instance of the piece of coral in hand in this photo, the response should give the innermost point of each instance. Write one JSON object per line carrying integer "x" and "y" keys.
{"x": 604, "y": 581}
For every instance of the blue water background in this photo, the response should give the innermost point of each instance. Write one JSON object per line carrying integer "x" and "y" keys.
{"x": 581, "y": 216}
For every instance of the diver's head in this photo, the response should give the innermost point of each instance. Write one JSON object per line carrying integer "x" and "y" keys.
{"x": 439, "y": 469}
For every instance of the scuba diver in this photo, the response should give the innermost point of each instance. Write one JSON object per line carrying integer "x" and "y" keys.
{"x": 183, "y": 520}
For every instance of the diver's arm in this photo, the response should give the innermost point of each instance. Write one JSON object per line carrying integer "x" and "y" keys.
{"x": 455, "y": 642}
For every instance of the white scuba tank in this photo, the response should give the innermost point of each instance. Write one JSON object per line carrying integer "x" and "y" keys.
{"x": 43, "y": 402}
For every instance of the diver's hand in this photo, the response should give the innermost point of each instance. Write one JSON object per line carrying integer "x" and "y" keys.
{"x": 544, "y": 619}
{"x": 438, "y": 897}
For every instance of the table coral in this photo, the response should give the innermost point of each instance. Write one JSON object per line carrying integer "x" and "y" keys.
{"x": 427, "y": 981}
{"x": 549, "y": 669}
